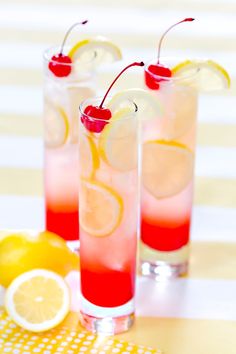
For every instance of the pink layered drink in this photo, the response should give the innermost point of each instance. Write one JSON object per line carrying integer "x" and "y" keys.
{"x": 108, "y": 196}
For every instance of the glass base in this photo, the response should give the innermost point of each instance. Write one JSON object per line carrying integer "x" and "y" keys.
{"x": 162, "y": 271}
{"x": 161, "y": 265}
{"x": 107, "y": 325}
{"x": 107, "y": 320}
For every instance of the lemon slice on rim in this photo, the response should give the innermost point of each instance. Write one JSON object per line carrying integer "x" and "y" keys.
{"x": 88, "y": 156}
{"x": 147, "y": 104}
{"x": 56, "y": 126}
{"x": 167, "y": 167}
{"x": 95, "y": 50}
{"x": 207, "y": 75}
{"x": 118, "y": 141}
{"x": 38, "y": 300}
{"x": 101, "y": 208}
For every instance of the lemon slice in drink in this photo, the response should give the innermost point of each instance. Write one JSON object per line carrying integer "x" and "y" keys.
{"x": 207, "y": 75}
{"x": 96, "y": 50}
{"x": 167, "y": 167}
{"x": 56, "y": 126}
{"x": 101, "y": 208}
{"x": 38, "y": 300}
{"x": 118, "y": 141}
{"x": 147, "y": 104}
{"x": 88, "y": 155}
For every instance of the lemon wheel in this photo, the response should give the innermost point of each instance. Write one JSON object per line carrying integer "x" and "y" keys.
{"x": 148, "y": 106}
{"x": 101, "y": 208}
{"x": 118, "y": 141}
{"x": 56, "y": 126}
{"x": 205, "y": 75}
{"x": 167, "y": 168}
{"x": 96, "y": 50}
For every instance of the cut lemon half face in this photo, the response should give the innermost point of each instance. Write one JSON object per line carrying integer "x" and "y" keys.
{"x": 205, "y": 75}
{"x": 95, "y": 51}
{"x": 38, "y": 300}
{"x": 167, "y": 167}
{"x": 88, "y": 155}
{"x": 101, "y": 208}
{"x": 56, "y": 126}
{"x": 118, "y": 141}
{"x": 147, "y": 104}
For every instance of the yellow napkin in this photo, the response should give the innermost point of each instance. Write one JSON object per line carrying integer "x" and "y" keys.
{"x": 67, "y": 338}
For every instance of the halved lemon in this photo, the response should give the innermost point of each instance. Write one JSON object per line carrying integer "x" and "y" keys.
{"x": 119, "y": 139}
{"x": 95, "y": 50}
{"x": 88, "y": 156}
{"x": 147, "y": 104}
{"x": 38, "y": 300}
{"x": 205, "y": 75}
{"x": 56, "y": 126}
{"x": 167, "y": 167}
{"x": 101, "y": 208}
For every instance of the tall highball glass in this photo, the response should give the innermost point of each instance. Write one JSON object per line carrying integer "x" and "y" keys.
{"x": 108, "y": 197}
{"x": 62, "y": 96}
{"x": 168, "y": 155}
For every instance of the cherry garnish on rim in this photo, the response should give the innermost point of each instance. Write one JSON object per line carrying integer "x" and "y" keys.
{"x": 158, "y": 69}
{"x": 101, "y": 113}
{"x": 60, "y": 64}
{"x": 95, "y": 125}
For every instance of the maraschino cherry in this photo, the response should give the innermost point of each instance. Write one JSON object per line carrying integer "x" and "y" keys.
{"x": 60, "y": 64}
{"x": 101, "y": 113}
{"x": 160, "y": 69}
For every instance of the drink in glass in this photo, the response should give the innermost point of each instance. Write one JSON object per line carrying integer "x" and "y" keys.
{"x": 168, "y": 154}
{"x": 108, "y": 196}
{"x": 62, "y": 97}
{"x": 68, "y": 80}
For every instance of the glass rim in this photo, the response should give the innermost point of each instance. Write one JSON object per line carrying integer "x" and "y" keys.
{"x": 53, "y": 50}
{"x": 171, "y": 79}
{"x": 129, "y": 115}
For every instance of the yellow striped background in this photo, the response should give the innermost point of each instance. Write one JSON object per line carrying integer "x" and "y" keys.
{"x": 211, "y": 258}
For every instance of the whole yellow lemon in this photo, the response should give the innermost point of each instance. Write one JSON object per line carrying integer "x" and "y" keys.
{"x": 21, "y": 252}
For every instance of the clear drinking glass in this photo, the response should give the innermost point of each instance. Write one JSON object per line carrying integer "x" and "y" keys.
{"x": 168, "y": 154}
{"x": 108, "y": 197}
{"x": 62, "y": 96}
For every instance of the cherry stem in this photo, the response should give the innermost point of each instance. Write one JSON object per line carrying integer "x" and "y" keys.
{"x": 68, "y": 32}
{"x": 188, "y": 19}
{"x": 117, "y": 77}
